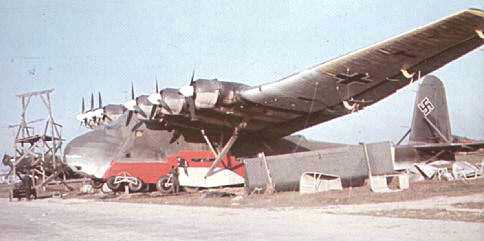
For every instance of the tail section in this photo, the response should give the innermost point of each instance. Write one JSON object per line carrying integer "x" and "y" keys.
{"x": 431, "y": 123}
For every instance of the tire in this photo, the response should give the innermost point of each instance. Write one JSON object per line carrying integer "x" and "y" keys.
{"x": 105, "y": 189}
{"x": 113, "y": 186}
{"x": 136, "y": 187}
{"x": 97, "y": 184}
{"x": 164, "y": 185}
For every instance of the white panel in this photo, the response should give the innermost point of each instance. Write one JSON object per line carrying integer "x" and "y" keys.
{"x": 196, "y": 177}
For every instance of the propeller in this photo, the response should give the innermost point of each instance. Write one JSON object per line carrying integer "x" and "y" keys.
{"x": 82, "y": 117}
{"x": 98, "y": 114}
{"x": 100, "y": 100}
{"x": 92, "y": 101}
{"x": 156, "y": 99}
{"x": 189, "y": 92}
{"x": 132, "y": 107}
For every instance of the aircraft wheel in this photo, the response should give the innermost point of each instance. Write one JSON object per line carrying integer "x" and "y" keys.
{"x": 113, "y": 186}
{"x": 97, "y": 184}
{"x": 105, "y": 189}
{"x": 136, "y": 186}
{"x": 164, "y": 185}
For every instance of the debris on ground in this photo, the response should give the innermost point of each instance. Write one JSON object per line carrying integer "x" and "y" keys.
{"x": 464, "y": 170}
{"x": 216, "y": 194}
{"x": 312, "y": 182}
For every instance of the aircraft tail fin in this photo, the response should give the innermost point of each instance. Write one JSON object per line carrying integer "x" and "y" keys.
{"x": 431, "y": 123}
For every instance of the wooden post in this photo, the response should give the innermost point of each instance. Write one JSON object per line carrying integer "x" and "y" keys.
{"x": 270, "y": 188}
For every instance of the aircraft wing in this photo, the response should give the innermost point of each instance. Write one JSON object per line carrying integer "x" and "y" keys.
{"x": 348, "y": 83}
{"x": 460, "y": 147}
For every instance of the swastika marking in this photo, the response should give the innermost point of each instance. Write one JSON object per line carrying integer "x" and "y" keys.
{"x": 425, "y": 106}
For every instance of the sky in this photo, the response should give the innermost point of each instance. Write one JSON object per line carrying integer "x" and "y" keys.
{"x": 81, "y": 47}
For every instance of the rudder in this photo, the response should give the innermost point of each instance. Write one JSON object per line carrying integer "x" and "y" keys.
{"x": 431, "y": 123}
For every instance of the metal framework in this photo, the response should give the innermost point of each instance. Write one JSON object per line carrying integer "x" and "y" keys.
{"x": 38, "y": 154}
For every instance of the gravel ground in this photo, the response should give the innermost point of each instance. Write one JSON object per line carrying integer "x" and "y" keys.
{"x": 83, "y": 219}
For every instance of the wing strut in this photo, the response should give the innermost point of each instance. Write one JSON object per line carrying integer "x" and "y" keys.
{"x": 215, "y": 153}
{"x": 226, "y": 148}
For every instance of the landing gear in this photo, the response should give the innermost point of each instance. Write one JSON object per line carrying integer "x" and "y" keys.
{"x": 165, "y": 185}
{"x": 116, "y": 183}
{"x": 225, "y": 149}
{"x": 135, "y": 185}
{"x": 113, "y": 184}
{"x": 97, "y": 183}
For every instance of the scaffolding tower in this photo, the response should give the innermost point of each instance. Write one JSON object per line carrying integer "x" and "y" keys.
{"x": 38, "y": 155}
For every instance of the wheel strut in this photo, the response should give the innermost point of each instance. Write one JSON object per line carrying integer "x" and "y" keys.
{"x": 226, "y": 148}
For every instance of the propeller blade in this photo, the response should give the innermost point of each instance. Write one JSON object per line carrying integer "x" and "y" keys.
{"x": 106, "y": 117}
{"x": 191, "y": 108}
{"x": 193, "y": 76}
{"x": 100, "y": 100}
{"x": 132, "y": 91}
{"x": 92, "y": 101}
{"x": 156, "y": 88}
{"x": 153, "y": 111}
{"x": 128, "y": 119}
{"x": 83, "y": 107}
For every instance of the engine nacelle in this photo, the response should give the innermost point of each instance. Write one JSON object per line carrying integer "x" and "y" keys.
{"x": 207, "y": 93}
{"x": 210, "y": 92}
{"x": 174, "y": 100}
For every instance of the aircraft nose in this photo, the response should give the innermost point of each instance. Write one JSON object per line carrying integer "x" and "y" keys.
{"x": 81, "y": 165}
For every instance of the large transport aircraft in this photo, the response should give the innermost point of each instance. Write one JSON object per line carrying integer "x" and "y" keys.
{"x": 224, "y": 117}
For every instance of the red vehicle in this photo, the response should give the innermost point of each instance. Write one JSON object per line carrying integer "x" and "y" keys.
{"x": 192, "y": 168}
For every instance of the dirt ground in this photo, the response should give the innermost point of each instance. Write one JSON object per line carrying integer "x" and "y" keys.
{"x": 355, "y": 195}
{"x": 443, "y": 200}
